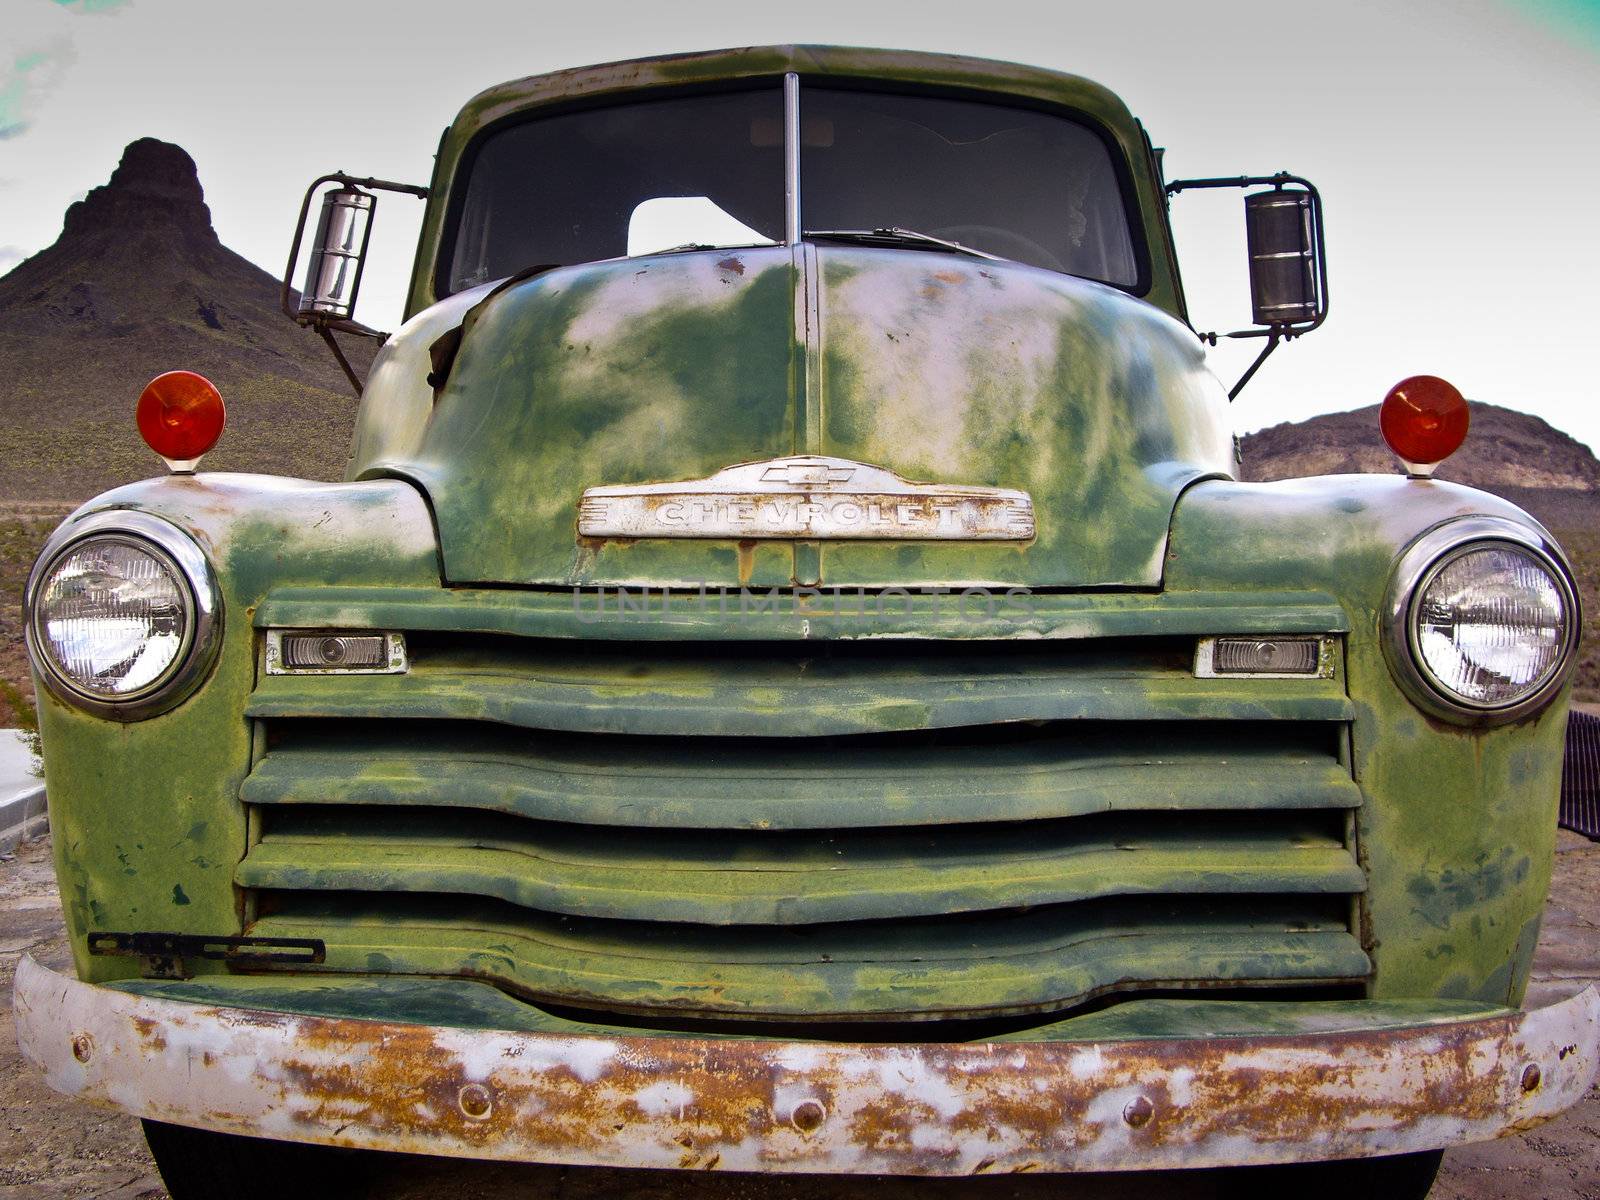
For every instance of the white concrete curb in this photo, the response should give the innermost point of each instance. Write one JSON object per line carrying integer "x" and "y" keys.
{"x": 22, "y": 815}
{"x": 22, "y": 803}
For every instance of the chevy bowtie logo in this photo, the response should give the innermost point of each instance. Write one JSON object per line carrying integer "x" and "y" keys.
{"x": 804, "y": 496}
{"x": 807, "y": 472}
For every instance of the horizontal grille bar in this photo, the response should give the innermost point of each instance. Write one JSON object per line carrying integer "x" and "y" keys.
{"x": 728, "y": 689}
{"x": 776, "y": 879}
{"x": 1016, "y": 962}
{"x": 598, "y": 615}
{"x": 1009, "y": 773}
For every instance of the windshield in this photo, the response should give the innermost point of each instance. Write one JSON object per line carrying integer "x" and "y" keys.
{"x": 625, "y": 179}
{"x": 709, "y": 170}
{"x": 1022, "y": 184}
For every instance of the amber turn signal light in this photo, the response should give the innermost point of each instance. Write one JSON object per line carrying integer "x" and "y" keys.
{"x": 1424, "y": 420}
{"x": 180, "y": 416}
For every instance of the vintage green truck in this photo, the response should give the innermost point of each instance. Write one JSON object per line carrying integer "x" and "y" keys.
{"x": 791, "y": 682}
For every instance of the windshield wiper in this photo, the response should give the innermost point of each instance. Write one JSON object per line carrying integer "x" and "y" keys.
{"x": 893, "y": 235}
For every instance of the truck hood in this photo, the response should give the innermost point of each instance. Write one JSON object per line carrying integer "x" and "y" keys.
{"x": 890, "y": 417}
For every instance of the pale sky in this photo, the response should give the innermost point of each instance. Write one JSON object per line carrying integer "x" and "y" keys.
{"x": 1453, "y": 141}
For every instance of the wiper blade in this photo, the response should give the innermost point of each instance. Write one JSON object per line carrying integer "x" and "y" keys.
{"x": 893, "y": 235}
{"x": 687, "y": 247}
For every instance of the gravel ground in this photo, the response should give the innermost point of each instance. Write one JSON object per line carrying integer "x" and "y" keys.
{"x": 53, "y": 1147}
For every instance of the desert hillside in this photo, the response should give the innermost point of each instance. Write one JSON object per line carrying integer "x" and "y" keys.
{"x": 137, "y": 284}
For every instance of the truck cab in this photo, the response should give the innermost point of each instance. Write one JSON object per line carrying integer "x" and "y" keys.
{"x": 792, "y": 681}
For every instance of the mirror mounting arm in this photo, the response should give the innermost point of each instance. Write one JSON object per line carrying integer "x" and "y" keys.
{"x": 1275, "y": 331}
{"x": 326, "y": 323}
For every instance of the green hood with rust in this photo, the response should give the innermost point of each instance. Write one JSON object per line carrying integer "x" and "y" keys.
{"x": 941, "y": 368}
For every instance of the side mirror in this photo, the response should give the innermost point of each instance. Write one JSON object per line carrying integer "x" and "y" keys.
{"x": 1283, "y": 229}
{"x": 1288, "y": 265}
{"x": 338, "y": 254}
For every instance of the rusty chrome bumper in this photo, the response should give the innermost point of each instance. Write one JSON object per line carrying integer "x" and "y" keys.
{"x": 928, "y": 1109}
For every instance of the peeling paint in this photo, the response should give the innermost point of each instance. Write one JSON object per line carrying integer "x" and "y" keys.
{"x": 930, "y": 1109}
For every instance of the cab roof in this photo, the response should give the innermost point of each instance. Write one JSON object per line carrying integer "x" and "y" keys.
{"x": 709, "y": 66}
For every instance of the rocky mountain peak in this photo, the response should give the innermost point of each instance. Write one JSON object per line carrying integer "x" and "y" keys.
{"x": 155, "y": 184}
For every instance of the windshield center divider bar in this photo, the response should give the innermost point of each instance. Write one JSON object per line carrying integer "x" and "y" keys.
{"x": 791, "y": 159}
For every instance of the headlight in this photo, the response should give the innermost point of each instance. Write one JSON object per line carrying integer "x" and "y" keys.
{"x": 122, "y": 614}
{"x": 1483, "y": 620}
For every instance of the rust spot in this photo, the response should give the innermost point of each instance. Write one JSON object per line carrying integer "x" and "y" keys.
{"x": 1139, "y": 1111}
{"x": 1531, "y": 1077}
{"x": 731, "y": 263}
{"x": 747, "y": 562}
{"x": 986, "y": 1165}
{"x": 150, "y": 1034}
{"x": 1566, "y": 1050}
{"x": 475, "y": 1101}
{"x": 83, "y": 1047}
{"x": 808, "y": 1116}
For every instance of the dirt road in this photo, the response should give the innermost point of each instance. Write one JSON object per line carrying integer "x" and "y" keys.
{"x": 51, "y": 1147}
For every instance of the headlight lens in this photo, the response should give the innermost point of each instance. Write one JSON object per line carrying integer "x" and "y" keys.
{"x": 1491, "y": 625}
{"x": 1481, "y": 620}
{"x": 124, "y": 618}
{"x": 113, "y": 617}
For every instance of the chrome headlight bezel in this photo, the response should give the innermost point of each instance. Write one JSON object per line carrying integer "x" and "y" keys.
{"x": 1416, "y": 569}
{"x": 202, "y": 612}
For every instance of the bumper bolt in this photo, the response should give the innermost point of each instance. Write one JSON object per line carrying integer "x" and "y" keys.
{"x": 83, "y": 1047}
{"x": 1531, "y": 1077}
{"x": 475, "y": 1101}
{"x": 1139, "y": 1111}
{"x": 808, "y": 1116}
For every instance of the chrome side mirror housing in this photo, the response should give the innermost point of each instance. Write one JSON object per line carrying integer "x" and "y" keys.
{"x": 1288, "y": 264}
{"x": 338, "y": 256}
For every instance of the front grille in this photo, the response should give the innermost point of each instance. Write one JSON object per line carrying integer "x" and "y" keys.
{"x": 852, "y": 831}
{"x": 1580, "y": 775}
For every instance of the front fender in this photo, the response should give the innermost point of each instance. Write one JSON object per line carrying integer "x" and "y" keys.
{"x": 1457, "y": 829}
{"x": 146, "y": 817}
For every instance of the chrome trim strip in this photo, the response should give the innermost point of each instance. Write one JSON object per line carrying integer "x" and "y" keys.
{"x": 1416, "y": 567}
{"x": 791, "y": 159}
{"x": 202, "y": 612}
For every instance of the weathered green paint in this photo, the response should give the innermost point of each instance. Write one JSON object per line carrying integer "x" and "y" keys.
{"x": 548, "y": 778}
{"x": 775, "y": 880}
{"x": 147, "y": 827}
{"x": 466, "y": 1004}
{"x": 731, "y": 695}
{"x": 615, "y": 372}
{"x": 605, "y": 614}
{"x": 1458, "y": 827}
{"x": 951, "y": 369}
{"x": 670, "y": 367}
{"x": 1449, "y": 899}
{"x": 1045, "y": 960}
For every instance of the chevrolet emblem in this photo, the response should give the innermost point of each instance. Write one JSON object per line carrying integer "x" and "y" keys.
{"x": 806, "y": 497}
